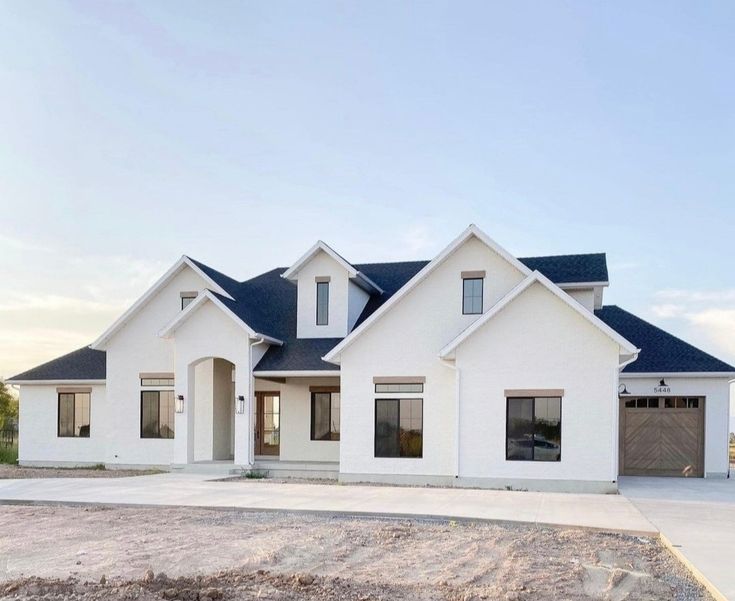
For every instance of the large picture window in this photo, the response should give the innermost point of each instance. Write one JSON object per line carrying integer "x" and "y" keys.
{"x": 74, "y": 409}
{"x": 533, "y": 429}
{"x": 157, "y": 414}
{"x": 399, "y": 427}
{"x": 325, "y": 415}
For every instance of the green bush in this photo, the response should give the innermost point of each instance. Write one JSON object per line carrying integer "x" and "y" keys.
{"x": 9, "y": 454}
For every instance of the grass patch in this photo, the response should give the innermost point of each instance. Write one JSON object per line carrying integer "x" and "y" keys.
{"x": 255, "y": 474}
{"x": 9, "y": 455}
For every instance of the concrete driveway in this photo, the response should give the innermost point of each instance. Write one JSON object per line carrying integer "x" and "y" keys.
{"x": 606, "y": 512}
{"x": 697, "y": 516}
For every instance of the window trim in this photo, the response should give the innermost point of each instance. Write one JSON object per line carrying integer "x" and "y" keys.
{"x": 326, "y": 321}
{"x": 159, "y": 437}
{"x": 74, "y": 415}
{"x": 398, "y": 430}
{"x": 330, "y": 390}
{"x": 482, "y": 294}
{"x": 533, "y": 421}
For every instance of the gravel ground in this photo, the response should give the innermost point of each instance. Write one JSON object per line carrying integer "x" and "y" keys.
{"x": 54, "y": 552}
{"x": 17, "y": 471}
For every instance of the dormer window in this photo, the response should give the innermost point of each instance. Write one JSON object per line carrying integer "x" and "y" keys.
{"x": 187, "y": 298}
{"x": 322, "y": 301}
{"x": 472, "y": 284}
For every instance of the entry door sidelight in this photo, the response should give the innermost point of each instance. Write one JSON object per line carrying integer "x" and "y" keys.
{"x": 268, "y": 423}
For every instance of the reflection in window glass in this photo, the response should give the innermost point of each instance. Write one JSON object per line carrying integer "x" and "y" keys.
{"x": 157, "y": 414}
{"x": 73, "y": 413}
{"x": 533, "y": 429}
{"x": 322, "y": 303}
{"x": 399, "y": 427}
{"x": 398, "y": 387}
{"x": 472, "y": 296}
{"x": 325, "y": 415}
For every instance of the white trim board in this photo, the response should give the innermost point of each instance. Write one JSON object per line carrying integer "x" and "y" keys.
{"x": 362, "y": 280}
{"x": 678, "y": 374}
{"x": 208, "y": 296}
{"x": 536, "y": 277}
{"x": 333, "y": 355}
{"x": 55, "y": 382}
{"x": 307, "y": 373}
{"x": 184, "y": 261}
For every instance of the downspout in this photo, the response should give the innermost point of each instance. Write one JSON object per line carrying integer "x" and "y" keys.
{"x": 616, "y": 416}
{"x": 251, "y": 397}
{"x": 456, "y": 414}
{"x": 730, "y": 384}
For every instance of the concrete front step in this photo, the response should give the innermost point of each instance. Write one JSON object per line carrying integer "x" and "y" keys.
{"x": 272, "y": 468}
{"x": 298, "y": 469}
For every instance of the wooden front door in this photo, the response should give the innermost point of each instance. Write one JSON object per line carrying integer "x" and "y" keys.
{"x": 662, "y": 436}
{"x": 268, "y": 423}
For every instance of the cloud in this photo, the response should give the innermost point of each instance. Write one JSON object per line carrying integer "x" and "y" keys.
{"x": 707, "y": 316}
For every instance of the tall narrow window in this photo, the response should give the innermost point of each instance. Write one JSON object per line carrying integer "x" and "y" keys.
{"x": 74, "y": 414}
{"x": 322, "y": 303}
{"x": 157, "y": 414}
{"x": 533, "y": 429}
{"x": 399, "y": 427}
{"x": 325, "y": 415}
{"x": 471, "y": 296}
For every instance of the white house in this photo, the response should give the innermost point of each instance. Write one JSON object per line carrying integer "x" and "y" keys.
{"x": 476, "y": 368}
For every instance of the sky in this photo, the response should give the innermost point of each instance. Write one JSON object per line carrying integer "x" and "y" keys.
{"x": 239, "y": 133}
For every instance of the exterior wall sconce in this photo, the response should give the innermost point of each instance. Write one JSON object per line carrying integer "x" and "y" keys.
{"x": 180, "y": 403}
{"x": 240, "y": 405}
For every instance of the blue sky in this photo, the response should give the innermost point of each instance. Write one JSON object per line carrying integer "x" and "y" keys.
{"x": 239, "y": 133}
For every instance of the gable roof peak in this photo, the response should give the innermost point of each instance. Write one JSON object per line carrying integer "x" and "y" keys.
{"x": 353, "y": 273}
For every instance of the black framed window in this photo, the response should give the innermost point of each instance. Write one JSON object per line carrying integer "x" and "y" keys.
{"x": 186, "y": 301}
{"x": 325, "y": 415}
{"x": 322, "y": 303}
{"x": 472, "y": 296}
{"x": 157, "y": 414}
{"x": 399, "y": 428}
{"x": 73, "y": 416}
{"x": 533, "y": 429}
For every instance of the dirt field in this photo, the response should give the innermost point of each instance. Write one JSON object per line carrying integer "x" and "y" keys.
{"x": 16, "y": 471}
{"x": 104, "y": 553}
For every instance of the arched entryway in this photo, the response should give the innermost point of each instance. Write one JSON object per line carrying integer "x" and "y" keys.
{"x": 213, "y": 409}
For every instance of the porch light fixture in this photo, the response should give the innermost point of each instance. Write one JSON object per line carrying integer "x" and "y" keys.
{"x": 240, "y": 406}
{"x": 662, "y": 382}
{"x": 180, "y": 403}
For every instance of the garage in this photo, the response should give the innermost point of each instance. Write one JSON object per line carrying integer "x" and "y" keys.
{"x": 662, "y": 436}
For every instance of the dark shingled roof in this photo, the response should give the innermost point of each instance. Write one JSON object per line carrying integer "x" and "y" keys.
{"x": 82, "y": 364}
{"x": 570, "y": 269}
{"x": 661, "y": 352}
{"x": 267, "y": 303}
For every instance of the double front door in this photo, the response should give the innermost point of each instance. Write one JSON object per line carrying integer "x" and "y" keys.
{"x": 267, "y": 423}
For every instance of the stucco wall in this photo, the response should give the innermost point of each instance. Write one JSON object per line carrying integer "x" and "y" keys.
{"x": 322, "y": 265}
{"x": 539, "y": 342}
{"x": 37, "y": 437}
{"x": 406, "y": 341}
{"x": 716, "y": 412}
{"x": 209, "y": 332}
{"x": 584, "y": 296}
{"x": 296, "y": 443}
{"x": 134, "y": 349}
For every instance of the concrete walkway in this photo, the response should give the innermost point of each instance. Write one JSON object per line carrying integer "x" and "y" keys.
{"x": 606, "y": 512}
{"x": 697, "y": 516}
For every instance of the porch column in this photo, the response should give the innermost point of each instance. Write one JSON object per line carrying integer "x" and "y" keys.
{"x": 243, "y": 421}
{"x": 184, "y": 422}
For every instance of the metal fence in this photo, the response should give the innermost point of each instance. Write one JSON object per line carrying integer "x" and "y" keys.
{"x": 8, "y": 437}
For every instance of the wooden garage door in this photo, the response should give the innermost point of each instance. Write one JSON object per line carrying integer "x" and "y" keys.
{"x": 662, "y": 436}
